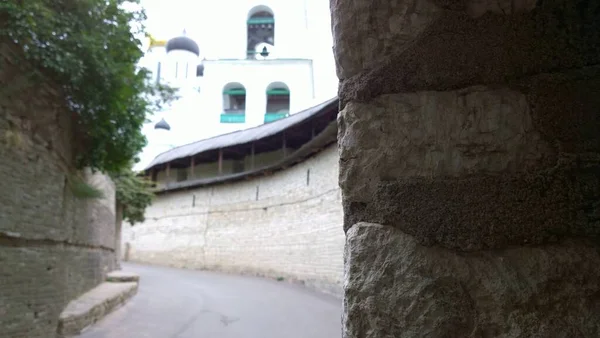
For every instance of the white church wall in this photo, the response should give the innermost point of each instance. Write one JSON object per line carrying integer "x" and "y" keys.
{"x": 227, "y": 36}
{"x": 282, "y": 225}
{"x": 256, "y": 76}
{"x": 321, "y": 44}
{"x": 179, "y": 67}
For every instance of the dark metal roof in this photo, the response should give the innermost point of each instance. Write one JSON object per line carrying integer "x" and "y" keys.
{"x": 242, "y": 136}
{"x": 162, "y": 124}
{"x": 327, "y": 137}
{"x": 183, "y": 43}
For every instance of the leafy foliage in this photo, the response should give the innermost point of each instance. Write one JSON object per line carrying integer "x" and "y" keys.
{"x": 88, "y": 48}
{"x": 82, "y": 189}
{"x": 133, "y": 194}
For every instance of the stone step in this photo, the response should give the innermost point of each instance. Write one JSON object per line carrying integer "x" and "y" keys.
{"x": 122, "y": 276}
{"x": 94, "y": 305}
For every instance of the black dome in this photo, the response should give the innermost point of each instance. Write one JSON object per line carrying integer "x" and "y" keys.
{"x": 162, "y": 124}
{"x": 183, "y": 43}
{"x": 200, "y": 70}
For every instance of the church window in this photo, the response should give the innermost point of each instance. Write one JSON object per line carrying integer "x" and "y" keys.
{"x": 278, "y": 102}
{"x": 261, "y": 31}
{"x": 234, "y": 103}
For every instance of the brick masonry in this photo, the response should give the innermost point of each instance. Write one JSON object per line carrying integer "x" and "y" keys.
{"x": 288, "y": 224}
{"x": 53, "y": 246}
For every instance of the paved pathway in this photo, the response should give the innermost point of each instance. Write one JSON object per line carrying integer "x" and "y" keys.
{"x": 173, "y": 303}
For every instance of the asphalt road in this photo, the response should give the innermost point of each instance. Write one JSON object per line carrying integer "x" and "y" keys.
{"x": 174, "y": 303}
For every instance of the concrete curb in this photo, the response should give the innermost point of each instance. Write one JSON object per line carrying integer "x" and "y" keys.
{"x": 122, "y": 276}
{"x": 94, "y": 305}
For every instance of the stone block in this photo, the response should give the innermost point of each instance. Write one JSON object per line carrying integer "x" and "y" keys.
{"x": 395, "y": 287}
{"x": 120, "y": 276}
{"x": 93, "y": 306}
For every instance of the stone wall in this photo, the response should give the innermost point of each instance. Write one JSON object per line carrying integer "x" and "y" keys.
{"x": 53, "y": 246}
{"x": 470, "y": 167}
{"x": 288, "y": 224}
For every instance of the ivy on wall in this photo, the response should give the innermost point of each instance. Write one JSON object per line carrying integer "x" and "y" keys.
{"x": 89, "y": 49}
{"x": 133, "y": 194}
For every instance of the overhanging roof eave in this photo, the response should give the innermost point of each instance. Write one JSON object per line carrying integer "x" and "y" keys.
{"x": 243, "y": 136}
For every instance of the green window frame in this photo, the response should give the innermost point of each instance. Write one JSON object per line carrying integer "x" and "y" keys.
{"x": 270, "y": 117}
{"x": 260, "y": 21}
{"x": 233, "y": 118}
{"x": 235, "y": 91}
{"x": 278, "y": 91}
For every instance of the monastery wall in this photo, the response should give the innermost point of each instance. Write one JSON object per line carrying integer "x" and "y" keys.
{"x": 54, "y": 246}
{"x": 288, "y": 224}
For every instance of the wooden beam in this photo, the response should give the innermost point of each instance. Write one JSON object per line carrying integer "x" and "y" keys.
{"x": 220, "y": 161}
{"x": 168, "y": 170}
{"x": 192, "y": 165}
{"x": 236, "y": 150}
{"x": 284, "y": 146}
{"x": 252, "y": 157}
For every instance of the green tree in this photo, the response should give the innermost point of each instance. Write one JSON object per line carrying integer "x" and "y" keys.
{"x": 89, "y": 49}
{"x": 133, "y": 194}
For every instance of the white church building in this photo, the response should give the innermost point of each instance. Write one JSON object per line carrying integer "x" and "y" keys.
{"x": 271, "y": 59}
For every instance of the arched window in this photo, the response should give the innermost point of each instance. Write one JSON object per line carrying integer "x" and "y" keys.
{"x": 278, "y": 102}
{"x": 234, "y": 103}
{"x": 261, "y": 31}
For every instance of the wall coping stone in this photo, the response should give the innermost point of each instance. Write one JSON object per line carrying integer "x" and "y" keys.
{"x": 119, "y": 276}
{"x": 94, "y": 305}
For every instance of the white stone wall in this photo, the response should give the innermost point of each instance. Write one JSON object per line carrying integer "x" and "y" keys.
{"x": 276, "y": 226}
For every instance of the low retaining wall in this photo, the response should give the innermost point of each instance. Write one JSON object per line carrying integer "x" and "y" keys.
{"x": 285, "y": 225}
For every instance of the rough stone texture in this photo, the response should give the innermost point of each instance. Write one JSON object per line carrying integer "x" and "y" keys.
{"x": 37, "y": 282}
{"x": 53, "y": 246}
{"x": 275, "y": 226}
{"x": 473, "y": 168}
{"x": 408, "y": 45}
{"x": 469, "y": 129}
{"x": 398, "y": 288}
{"x": 122, "y": 276}
{"x": 93, "y": 306}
